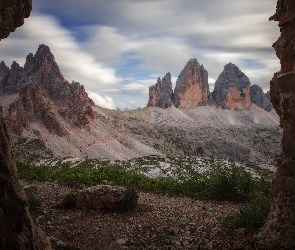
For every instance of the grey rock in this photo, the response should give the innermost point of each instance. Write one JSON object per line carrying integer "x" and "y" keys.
{"x": 259, "y": 98}
{"x": 231, "y": 76}
{"x": 160, "y": 94}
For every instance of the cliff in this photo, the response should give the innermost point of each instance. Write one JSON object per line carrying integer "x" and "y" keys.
{"x": 260, "y": 98}
{"x": 161, "y": 94}
{"x": 232, "y": 89}
{"x": 43, "y": 90}
{"x": 17, "y": 230}
{"x": 192, "y": 87}
{"x": 279, "y": 229}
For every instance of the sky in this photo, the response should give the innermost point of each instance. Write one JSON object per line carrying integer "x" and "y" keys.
{"x": 118, "y": 48}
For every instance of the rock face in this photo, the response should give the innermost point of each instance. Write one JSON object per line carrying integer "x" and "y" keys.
{"x": 42, "y": 90}
{"x": 12, "y": 15}
{"x": 259, "y": 98}
{"x": 17, "y": 230}
{"x": 232, "y": 89}
{"x": 161, "y": 94}
{"x": 192, "y": 87}
{"x": 279, "y": 230}
{"x": 100, "y": 197}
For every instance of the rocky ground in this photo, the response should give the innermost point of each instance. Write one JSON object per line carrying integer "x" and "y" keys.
{"x": 159, "y": 222}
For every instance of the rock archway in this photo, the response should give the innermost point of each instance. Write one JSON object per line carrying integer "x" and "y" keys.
{"x": 279, "y": 231}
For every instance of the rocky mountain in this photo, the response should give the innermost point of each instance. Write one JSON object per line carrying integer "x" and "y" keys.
{"x": 260, "y": 98}
{"x": 43, "y": 110}
{"x": 192, "y": 87}
{"x": 38, "y": 103}
{"x": 161, "y": 94}
{"x": 39, "y": 86}
{"x": 232, "y": 90}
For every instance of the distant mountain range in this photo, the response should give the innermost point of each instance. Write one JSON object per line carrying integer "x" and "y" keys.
{"x": 236, "y": 121}
{"x": 232, "y": 90}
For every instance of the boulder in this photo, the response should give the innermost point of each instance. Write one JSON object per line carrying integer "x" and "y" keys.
{"x": 100, "y": 197}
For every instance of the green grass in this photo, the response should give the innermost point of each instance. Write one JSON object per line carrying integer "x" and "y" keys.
{"x": 222, "y": 183}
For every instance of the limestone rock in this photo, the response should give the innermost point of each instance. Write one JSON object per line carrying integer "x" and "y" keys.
{"x": 17, "y": 230}
{"x": 45, "y": 96}
{"x": 100, "y": 197}
{"x": 160, "y": 94}
{"x": 192, "y": 87}
{"x": 279, "y": 229}
{"x": 260, "y": 98}
{"x": 12, "y": 15}
{"x": 232, "y": 89}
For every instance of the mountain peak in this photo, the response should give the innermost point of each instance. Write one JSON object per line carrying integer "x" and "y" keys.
{"x": 232, "y": 88}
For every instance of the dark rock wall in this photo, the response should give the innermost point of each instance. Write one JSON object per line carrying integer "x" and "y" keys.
{"x": 280, "y": 228}
{"x": 12, "y": 13}
{"x": 17, "y": 230}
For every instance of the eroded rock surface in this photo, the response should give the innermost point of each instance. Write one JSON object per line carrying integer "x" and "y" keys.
{"x": 260, "y": 98}
{"x": 43, "y": 91}
{"x": 17, "y": 230}
{"x": 160, "y": 94}
{"x": 232, "y": 89}
{"x": 192, "y": 87}
{"x": 279, "y": 230}
{"x": 12, "y": 15}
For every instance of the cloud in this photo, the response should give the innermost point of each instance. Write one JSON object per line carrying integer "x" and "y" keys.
{"x": 74, "y": 62}
{"x": 95, "y": 41}
{"x": 105, "y": 102}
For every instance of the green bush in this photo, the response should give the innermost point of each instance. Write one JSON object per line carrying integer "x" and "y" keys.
{"x": 129, "y": 202}
{"x": 32, "y": 173}
{"x": 70, "y": 200}
{"x": 228, "y": 184}
{"x": 251, "y": 217}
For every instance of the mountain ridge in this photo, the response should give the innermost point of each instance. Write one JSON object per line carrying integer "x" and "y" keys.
{"x": 232, "y": 90}
{"x": 38, "y": 103}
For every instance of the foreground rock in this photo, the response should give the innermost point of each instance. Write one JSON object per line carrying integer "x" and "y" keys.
{"x": 192, "y": 87}
{"x": 279, "y": 230}
{"x": 232, "y": 89}
{"x": 17, "y": 230}
{"x": 12, "y": 15}
{"x": 160, "y": 95}
{"x": 101, "y": 197}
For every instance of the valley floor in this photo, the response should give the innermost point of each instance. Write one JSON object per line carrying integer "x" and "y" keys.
{"x": 160, "y": 222}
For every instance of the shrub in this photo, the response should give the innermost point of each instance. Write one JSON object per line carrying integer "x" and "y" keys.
{"x": 30, "y": 172}
{"x": 127, "y": 204}
{"x": 251, "y": 217}
{"x": 70, "y": 200}
{"x": 34, "y": 205}
{"x": 228, "y": 184}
